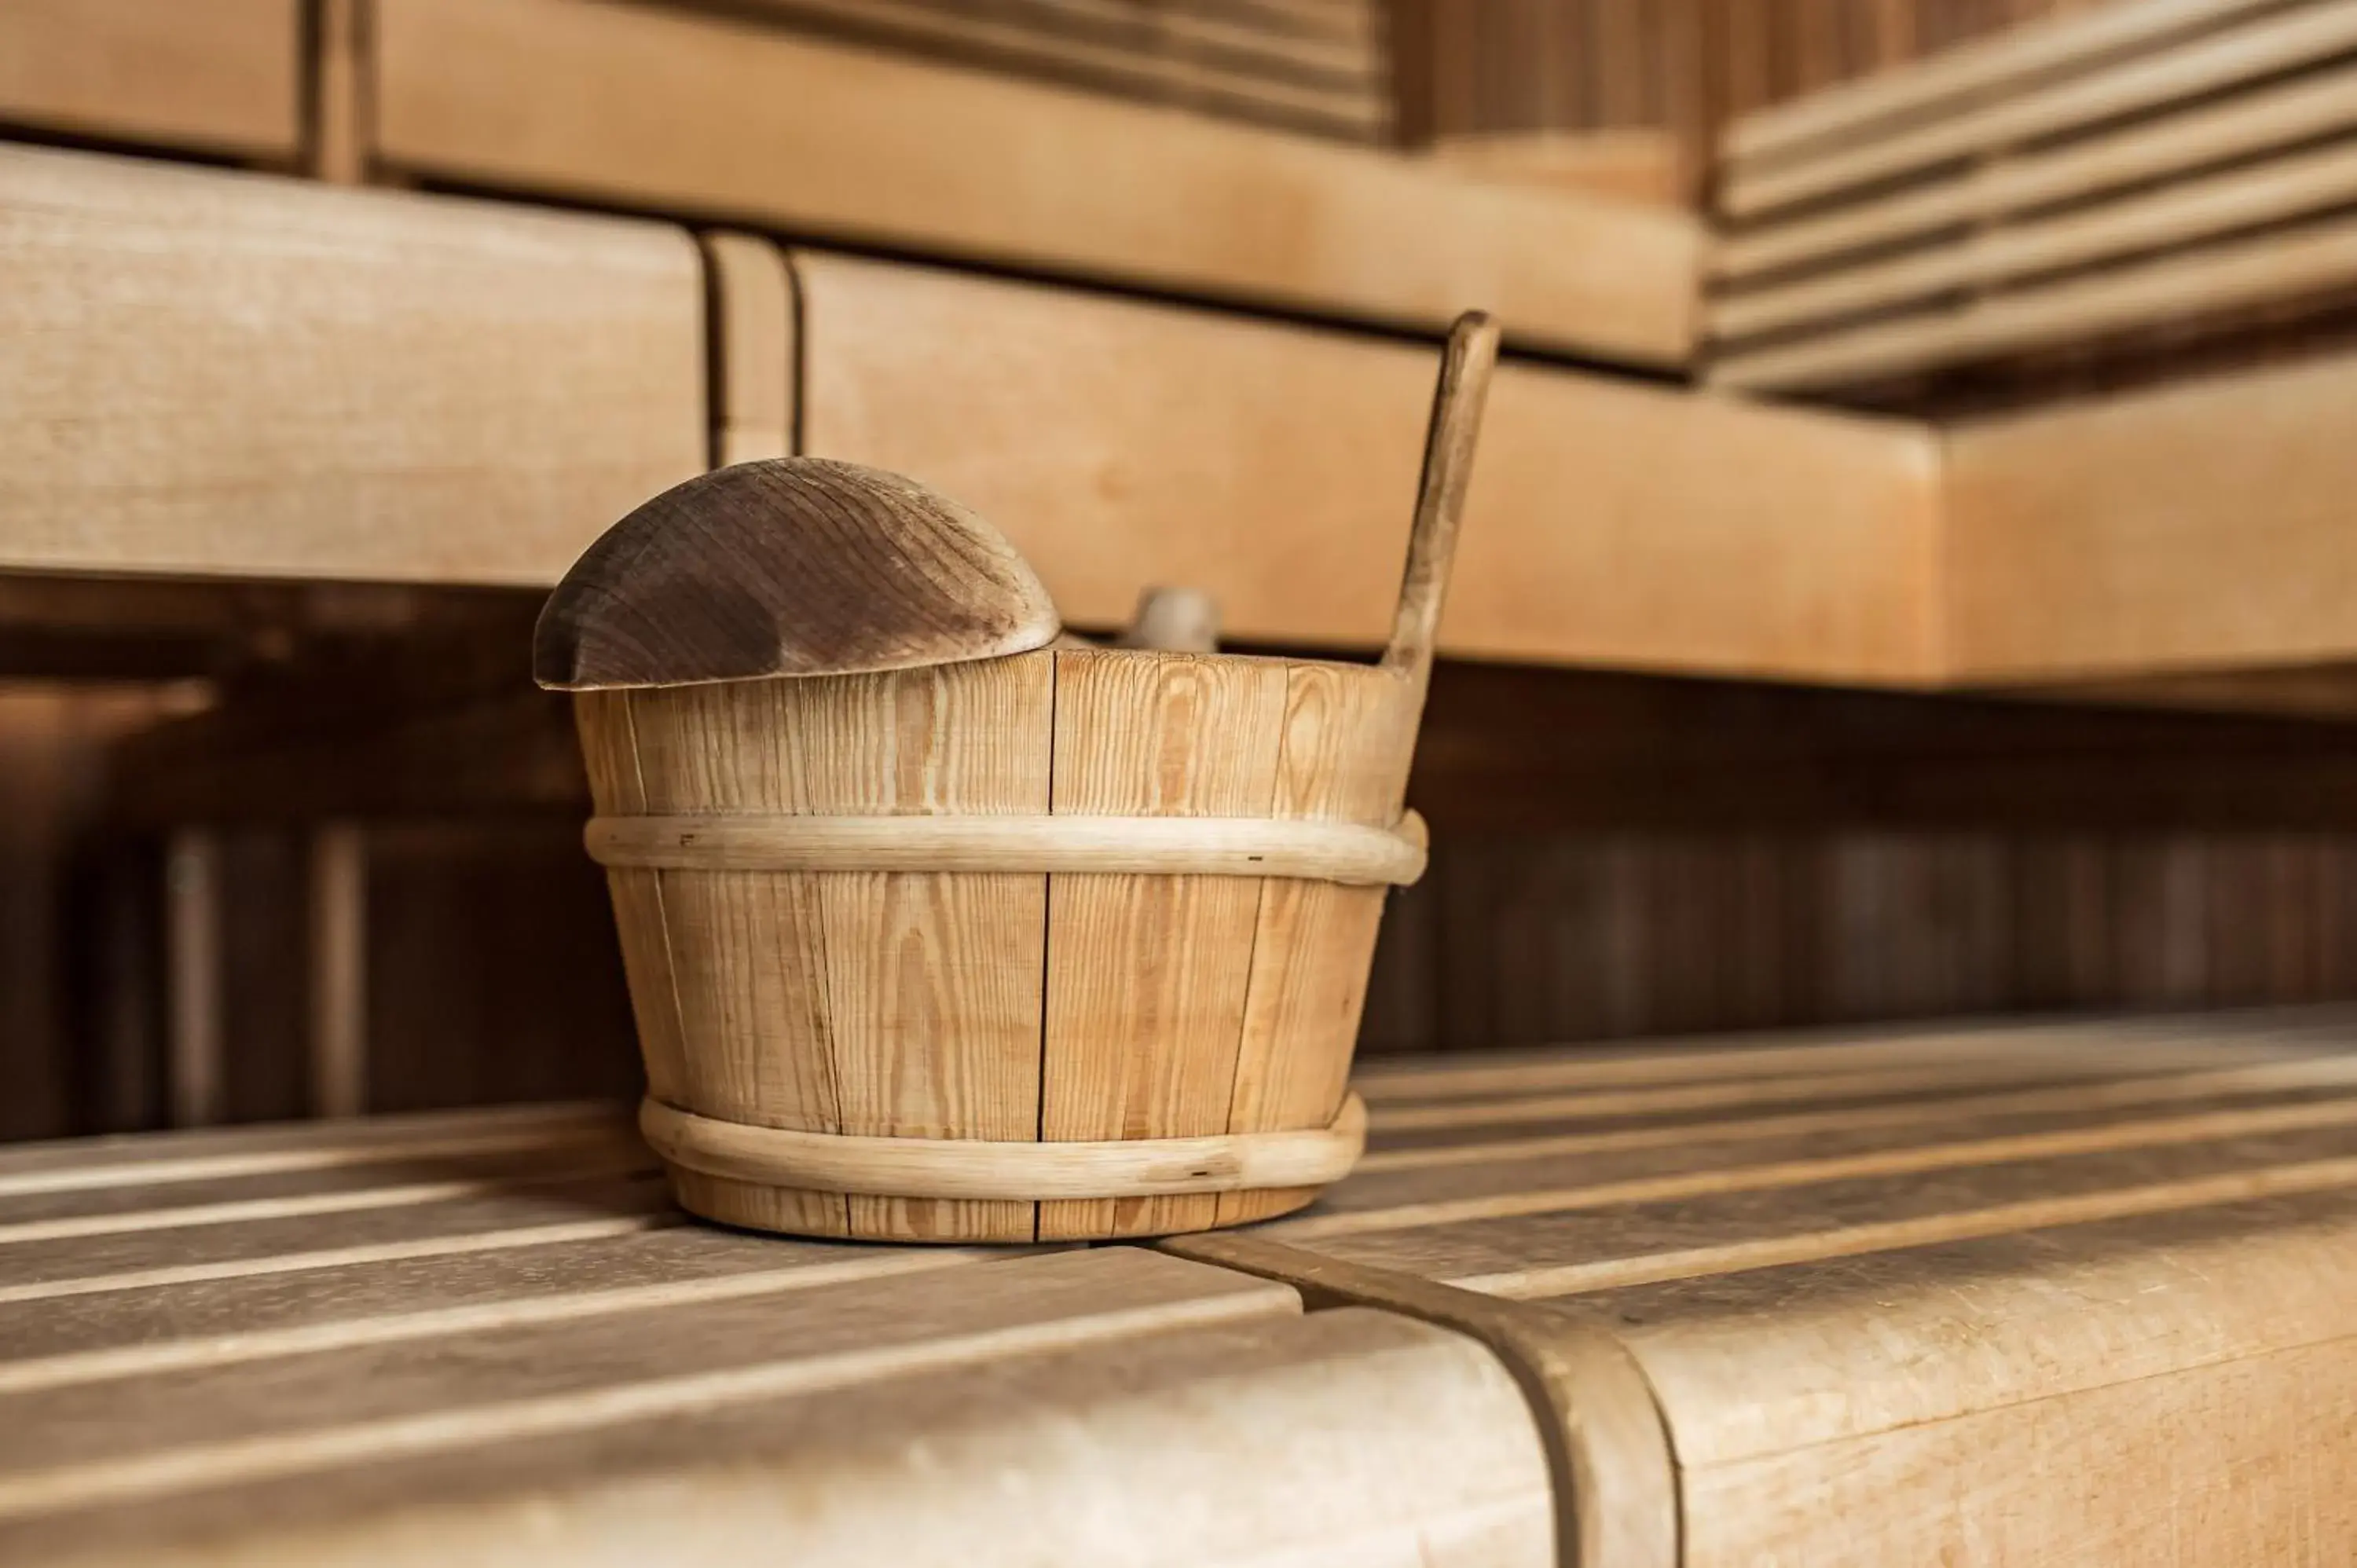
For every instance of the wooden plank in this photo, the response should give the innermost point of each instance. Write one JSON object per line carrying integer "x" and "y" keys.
{"x": 1886, "y": 1338}
{"x": 753, "y": 349}
{"x": 2205, "y": 66}
{"x": 1608, "y": 523}
{"x": 192, "y": 921}
{"x": 865, "y": 148}
{"x": 2241, "y": 274}
{"x": 565, "y": 1388}
{"x": 2305, "y": 108}
{"x": 1645, "y": 166}
{"x": 338, "y": 970}
{"x": 437, "y": 391}
{"x": 2186, "y": 211}
{"x": 220, "y": 76}
{"x": 2195, "y": 525}
{"x": 1993, "y": 68}
{"x": 1161, "y": 959}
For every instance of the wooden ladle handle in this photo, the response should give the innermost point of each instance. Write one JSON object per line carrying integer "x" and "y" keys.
{"x": 1456, "y": 404}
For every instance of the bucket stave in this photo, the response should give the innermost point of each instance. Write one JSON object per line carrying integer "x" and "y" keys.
{"x": 1000, "y": 1005}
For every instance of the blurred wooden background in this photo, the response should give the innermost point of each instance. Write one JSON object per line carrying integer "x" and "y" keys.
{"x": 1671, "y": 69}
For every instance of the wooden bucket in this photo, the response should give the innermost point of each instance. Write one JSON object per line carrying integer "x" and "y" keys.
{"x": 1067, "y": 944}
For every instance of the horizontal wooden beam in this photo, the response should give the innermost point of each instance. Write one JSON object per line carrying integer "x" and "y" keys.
{"x": 2303, "y": 109}
{"x": 2183, "y": 73}
{"x": 221, "y": 76}
{"x": 2247, "y": 272}
{"x": 2201, "y": 526}
{"x": 1123, "y": 446}
{"x": 710, "y": 118}
{"x": 227, "y": 374}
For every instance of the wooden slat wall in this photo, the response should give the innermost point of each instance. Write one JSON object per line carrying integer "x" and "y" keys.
{"x": 222, "y": 77}
{"x": 2116, "y": 184}
{"x": 1687, "y": 67}
{"x": 1310, "y": 65}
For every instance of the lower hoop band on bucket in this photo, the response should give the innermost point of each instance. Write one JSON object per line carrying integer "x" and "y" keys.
{"x": 1349, "y": 853}
{"x": 1024, "y": 1172}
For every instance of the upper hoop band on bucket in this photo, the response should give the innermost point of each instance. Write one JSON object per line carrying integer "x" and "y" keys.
{"x": 1194, "y": 846}
{"x": 1024, "y": 1172}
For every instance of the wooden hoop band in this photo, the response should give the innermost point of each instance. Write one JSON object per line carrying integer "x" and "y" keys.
{"x": 1195, "y": 846}
{"x": 956, "y": 1167}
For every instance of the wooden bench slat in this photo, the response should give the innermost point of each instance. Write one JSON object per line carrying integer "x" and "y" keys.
{"x": 267, "y": 377}
{"x": 704, "y": 118}
{"x": 2205, "y": 65}
{"x": 696, "y": 1390}
{"x": 221, "y": 76}
{"x": 2106, "y": 1314}
{"x": 1120, "y": 444}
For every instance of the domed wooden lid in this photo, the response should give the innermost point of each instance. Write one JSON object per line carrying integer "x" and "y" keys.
{"x": 788, "y": 566}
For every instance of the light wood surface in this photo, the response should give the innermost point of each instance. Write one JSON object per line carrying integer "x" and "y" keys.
{"x": 2170, "y": 70}
{"x": 274, "y": 378}
{"x": 2007, "y": 61}
{"x": 1644, "y": 165}
{"x": 1608, "y": 523}
{"x": 703, "y": 117}
{"x": 658, "y": 1393}
{"x": 1322, "y": 70}
{"x": 222, "y": 77}
{"x": 2152, "y": 165}
{"x": 2089, "y": 1297}
{"x": 2200, "y": 525}
{"x": 1347, "y": 853}
{"x": 2306, "y": 108}
{"x": 752, "y": 348}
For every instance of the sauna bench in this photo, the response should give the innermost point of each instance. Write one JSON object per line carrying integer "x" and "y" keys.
{"x": 488, "y": 1338}
{"x": 2076, "y": 1294}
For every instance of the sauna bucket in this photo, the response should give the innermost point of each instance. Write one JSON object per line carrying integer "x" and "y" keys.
{"x": 1067, "y": 943}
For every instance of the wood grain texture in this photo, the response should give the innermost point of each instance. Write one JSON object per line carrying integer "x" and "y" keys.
{"x": 1981, "y": 70}
{"x": 650, "y": 1393}
{"x": 2310, "y": 107}
{"x": 1606, "y": 523}
{"x": 789, "y": 567}
{"x": 1615, "y": 1487}
{"x": 1346, "y": 853}
{"x": 2166, "y": 70}
{"x": 2190, "y": 526}
{"x": 1020, "y": 1170}
{"x": 270, "y": 378}
{"x": 2170, "y": 165}
{"x": 879, "y": 151}
{"x": 2030, "y": 1315}
{"x": 879, "y": 1004}
{"x": 220, "y": 77}
{"x": 1147, "y": 976}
